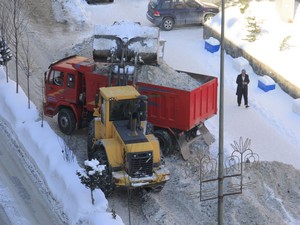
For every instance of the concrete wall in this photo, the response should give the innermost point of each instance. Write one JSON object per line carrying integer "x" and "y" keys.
{"x": 257, "y": 66}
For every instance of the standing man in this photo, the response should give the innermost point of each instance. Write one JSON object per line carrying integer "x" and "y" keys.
{"x": 242, "y": 81}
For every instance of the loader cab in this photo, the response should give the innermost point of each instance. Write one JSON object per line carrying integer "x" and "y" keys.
{"x": 121, "y": 105}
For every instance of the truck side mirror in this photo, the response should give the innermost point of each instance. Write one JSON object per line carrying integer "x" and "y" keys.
{"x": 45, "y": 75}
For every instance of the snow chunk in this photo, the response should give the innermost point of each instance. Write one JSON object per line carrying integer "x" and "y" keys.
{"x": 296, "y": 106}
{"x": 213, "y": 41}
{"x": 266, "y": 80}
{"x": 240, "y": 63}
{"x": 94, "y": 164}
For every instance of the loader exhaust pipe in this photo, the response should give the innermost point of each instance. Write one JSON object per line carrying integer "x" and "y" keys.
{"x": 133, "y": 123}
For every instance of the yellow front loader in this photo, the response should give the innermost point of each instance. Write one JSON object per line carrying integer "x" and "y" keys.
{"x": 117, "y": 140}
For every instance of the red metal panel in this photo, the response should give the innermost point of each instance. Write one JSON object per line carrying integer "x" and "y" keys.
{"x": 180, "y": 109}
{"x": 167, "y": 107}
{"x": 93, "y": 83}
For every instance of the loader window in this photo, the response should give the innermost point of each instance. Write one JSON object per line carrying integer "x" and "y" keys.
{"x": 119, "y": 110}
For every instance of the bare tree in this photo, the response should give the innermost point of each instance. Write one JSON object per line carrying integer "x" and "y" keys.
{"x": 17, "y": 19}
{"x": 26, "y": 62}
{"x": 4, "y": 30}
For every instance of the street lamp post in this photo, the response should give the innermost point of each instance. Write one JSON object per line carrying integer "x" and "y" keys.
{"x": 221, "y": 126}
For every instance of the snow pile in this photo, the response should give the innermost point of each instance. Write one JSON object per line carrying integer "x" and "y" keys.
{"x": 296, "y": 106}
{"x": 44, "y": 147}
{"x": 164, "y": 75}
{"x": 212, "y": 41}
{"x": 240, "y": 63}
{"x": 66, "y": 11}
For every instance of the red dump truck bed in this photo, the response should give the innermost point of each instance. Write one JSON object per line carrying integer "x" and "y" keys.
{"x": 169, "y": 105}
{"x": 181, "y": 109}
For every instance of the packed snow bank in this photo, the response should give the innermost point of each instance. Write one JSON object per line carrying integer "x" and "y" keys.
{"x": 43, "y": 145}
{"x": 296, "y": 106}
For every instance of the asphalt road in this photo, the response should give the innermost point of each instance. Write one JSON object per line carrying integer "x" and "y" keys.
{"x": 21, "y": 199}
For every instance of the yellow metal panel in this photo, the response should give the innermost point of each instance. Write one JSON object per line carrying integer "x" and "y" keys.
{"x": 156, "y": 148}
{"x": 119, "y": 92}
{"x": 139, "y": 147}
{"x": 114, "y": 151}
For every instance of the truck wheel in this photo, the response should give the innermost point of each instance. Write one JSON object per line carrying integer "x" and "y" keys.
{"x": 165, "y": 141}
{"x": 90, "y": 139}
{"x": 66, "y": 121}
{"x": 106, "y": 183}
{"x": 167, "y": 24}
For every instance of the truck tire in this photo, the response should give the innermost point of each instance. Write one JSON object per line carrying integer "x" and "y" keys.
{"x": 66, "y": 121}
{"x": 106, "y": 182}
{"x": 167, "y": 24}
{"x": 165, "y": 141}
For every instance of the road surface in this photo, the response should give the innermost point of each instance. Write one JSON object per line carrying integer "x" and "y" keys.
{"x": 22, "y": 194}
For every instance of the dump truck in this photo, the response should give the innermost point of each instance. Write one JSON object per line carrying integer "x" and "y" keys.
{"x": 132, "y": 158}
{"x": 179, "y": 102}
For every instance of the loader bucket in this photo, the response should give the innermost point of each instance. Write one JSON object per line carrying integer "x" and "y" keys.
{"x": 145, "y": 48}
{"x": 125, "y": 41}
{"x": 105, "y": 47}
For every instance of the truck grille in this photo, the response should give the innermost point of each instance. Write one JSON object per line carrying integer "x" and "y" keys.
{"x": 139, "y": 164}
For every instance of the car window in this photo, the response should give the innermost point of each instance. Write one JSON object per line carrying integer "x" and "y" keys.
{"x": 153, "y": 3}
{"x": 192, "y": 4}
{"x": 166, "y": 4}
{"x": 178, "y": 4}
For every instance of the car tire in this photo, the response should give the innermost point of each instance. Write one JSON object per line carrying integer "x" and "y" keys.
{"x": 167, "y": 24}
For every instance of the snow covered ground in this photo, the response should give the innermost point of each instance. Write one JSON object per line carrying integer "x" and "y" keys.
{"x": 270, "y": 122}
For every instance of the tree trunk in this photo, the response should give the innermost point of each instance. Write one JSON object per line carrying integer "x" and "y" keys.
{"x": 92, "y": 197}
{"x": 28, "y": 93}
{"x": 6, "y": 71}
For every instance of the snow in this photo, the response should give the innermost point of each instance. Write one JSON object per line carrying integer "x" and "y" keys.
{"x": 266, "y": 80}
{"x": 296, "y": 106}
{"x": 272, "y": 122}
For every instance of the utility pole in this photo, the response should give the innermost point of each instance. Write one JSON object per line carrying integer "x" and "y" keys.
{"x": 221, "y": 125}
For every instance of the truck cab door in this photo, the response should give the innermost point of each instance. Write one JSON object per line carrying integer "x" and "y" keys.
{"x": 54, "y": 88}
{"x": 70, "y": 88}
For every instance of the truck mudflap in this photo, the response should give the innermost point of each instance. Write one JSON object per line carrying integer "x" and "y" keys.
{"x": 185, "y": 145}
{"x": 159, "y": 177}
{"x": 123, "y": 41}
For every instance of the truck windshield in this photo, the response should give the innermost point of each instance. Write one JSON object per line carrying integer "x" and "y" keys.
{"x": 119, "y": 110}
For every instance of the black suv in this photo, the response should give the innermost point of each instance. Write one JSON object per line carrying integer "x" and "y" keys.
{"x": 167, "y": 13}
